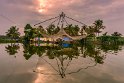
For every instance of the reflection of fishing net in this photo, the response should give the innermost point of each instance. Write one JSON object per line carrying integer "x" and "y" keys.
{"x": 63, "y": 66}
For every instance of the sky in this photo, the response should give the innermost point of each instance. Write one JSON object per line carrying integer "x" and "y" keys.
{"x": 20, "y": 12}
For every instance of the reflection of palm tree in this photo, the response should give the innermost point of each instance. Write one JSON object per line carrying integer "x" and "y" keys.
{"x": 30, "y": 50}
{"x": 12, "y": 49}
{"x": 90, "y": 50}
{"x": 110, "y": 47}
{"x": 40, "y": 50}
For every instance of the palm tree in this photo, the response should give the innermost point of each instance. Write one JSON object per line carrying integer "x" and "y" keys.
{"x": 98, "y": 25}
{"x": 57, "y": 29}
{"x": 72, "y": 30}
{"x": 13, "y": 33}
{"x": 76, "y": 30}
{"x": 29, "y": 51}
{"x": 30, "y": 32}
{"x": 90, "y": 31}
{"x": 41, "y": 30}
{"x": 51, "y": 29}
{"x": 82, "y": 29}
{"x": 68, "y": 29}
{"x": 116, "y": 34}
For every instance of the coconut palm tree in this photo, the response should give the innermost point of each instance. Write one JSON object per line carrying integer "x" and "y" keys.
{"x": 98, "y": 26}
{"x": 90, "y": 31}
{"x": 82, "y": 29}
{"x": 68, "y": 29}
{"x": 28, "y": 32}
{"x": 41, "y": 30}
{"x": 51, "y": 29}
{"x": 57, "y": 29}
{"x": 72, "y": 30}
{"x": 13, "y": 33}
{"x": 76, "y": 30}
{"x": 116, "y": 34}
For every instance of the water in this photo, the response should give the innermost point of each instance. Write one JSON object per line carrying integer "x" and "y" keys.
{"x": 61, "y": 64}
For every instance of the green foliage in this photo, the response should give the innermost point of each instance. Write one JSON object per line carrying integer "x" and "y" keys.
{"x": 90, "y": 31}
{"x": 72, "y": 30}
{"x": 116, "y": 34}
{"x": 98, "y": 26}
{"x": 111, "y": 39}
{"x": 13, "y": 33}
{"x": 30, "y": 50}
{"x": 52, "y": 29}
{"x": 82, "y": 29}
{"x": 41, "y": 30}
{"x": 94, "y": 29}
{"x": 12, "y": 49}
{"x": 7, "y": 41}
{"x": 28, "y": 30}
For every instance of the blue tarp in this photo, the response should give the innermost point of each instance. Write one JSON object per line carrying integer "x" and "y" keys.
{"x": 66, "y": 39}
{"x": 66, "y": 45}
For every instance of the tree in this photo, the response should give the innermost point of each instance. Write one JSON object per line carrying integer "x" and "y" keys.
{"x": 29, "y": 50}
{"x": 57, "y": 29}
{"x": 51, "y": 29}
{"x": 90, "y": 31}
{"x": 13, "y": 33}
{"x": 116, "y": 34}
{"x": 82, "y": 29}
{"x": 68, "y": 29}
{"x": 76, "y": 30}
{"x": 29, "y": 32}
{"x": 41, "y": 30}
{"x": 72, "y": 30}
{"x": 98, "y": 25}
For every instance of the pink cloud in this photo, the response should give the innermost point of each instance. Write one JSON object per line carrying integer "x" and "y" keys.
{"x": 26, "y": 11}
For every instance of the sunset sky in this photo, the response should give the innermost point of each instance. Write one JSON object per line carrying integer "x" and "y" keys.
{"x": 21, "y": 12}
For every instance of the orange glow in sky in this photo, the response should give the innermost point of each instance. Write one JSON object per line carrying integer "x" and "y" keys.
{"x": 44, "y": 5}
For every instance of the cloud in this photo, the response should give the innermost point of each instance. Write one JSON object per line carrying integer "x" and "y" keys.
{"x": 26, "y": 11}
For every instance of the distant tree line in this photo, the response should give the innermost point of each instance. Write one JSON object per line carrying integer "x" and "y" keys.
{"x": 92, "y": 31}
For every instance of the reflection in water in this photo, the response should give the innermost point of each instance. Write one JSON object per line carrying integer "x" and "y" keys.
{"x": 64, "y": 55}
{"x": 12, "y": 49}
{"x": 65, "y": 45}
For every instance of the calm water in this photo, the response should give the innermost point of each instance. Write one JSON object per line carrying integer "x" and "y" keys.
{"x": 61, "y": 64}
